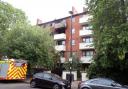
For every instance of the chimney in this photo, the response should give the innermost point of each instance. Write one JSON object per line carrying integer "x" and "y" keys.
{"x": 74, "y": 10}
{"x": 38, "y": 21}
{"x": 85, "y": 9}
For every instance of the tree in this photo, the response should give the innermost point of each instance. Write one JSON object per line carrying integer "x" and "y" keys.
{"x": 9, "y": 16}
{"x": 111, "y": 41}
{"x": 18, "y": 39}
{"x": 31, "y": 43}
{"x": 75, "y": 64}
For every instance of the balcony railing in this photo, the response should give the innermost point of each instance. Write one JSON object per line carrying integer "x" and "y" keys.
{"x": 61, "y": 36}
{"x": 84, "y": 32}
{"x": 85, "y": 19}
{"x": 61, "y": 24}
{"x": 60, "y": 47}
{"x": 86, "y": 59}
{"x": 86, "y": 46}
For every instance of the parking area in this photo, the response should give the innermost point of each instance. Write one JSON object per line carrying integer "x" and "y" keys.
{"x": 75, "y": 84}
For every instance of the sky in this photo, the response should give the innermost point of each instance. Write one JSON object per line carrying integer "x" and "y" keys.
{"x": 46, "y": 10}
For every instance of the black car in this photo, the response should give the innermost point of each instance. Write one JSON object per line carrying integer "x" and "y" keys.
{"x": 49, "y": 80}
{"x": 100, "y": 83}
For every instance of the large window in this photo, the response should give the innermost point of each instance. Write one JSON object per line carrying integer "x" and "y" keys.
{"x": 102, "y": 82}
{"x": 47, "y": 76}
{"x": 87, "y": 39}
{"x": 87, "y": 27}
{"x": 87, "y": 53}
{"x": 62, "y": 42}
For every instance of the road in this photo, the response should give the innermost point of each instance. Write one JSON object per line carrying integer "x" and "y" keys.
{"x": 14, "y": 85}
{"x": 21, "y": 85}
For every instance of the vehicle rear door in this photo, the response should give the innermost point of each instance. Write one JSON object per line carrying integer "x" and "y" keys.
{"x": 4, "y": 69}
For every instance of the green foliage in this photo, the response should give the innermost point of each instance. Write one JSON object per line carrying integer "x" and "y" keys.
{"x": 10, "y": 16}
{"x": 75, "y": 64}
{"x": 18, "y": 39}
{"x": 30, "y": 43}
{"x": 110, "y": 30}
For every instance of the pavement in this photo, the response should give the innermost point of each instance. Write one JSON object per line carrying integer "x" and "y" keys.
{"x": 75, "y": 84}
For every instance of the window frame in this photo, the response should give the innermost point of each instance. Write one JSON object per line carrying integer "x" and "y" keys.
{"x": 73, "y": 42}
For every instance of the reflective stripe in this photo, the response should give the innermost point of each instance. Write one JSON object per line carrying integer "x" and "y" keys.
{"x": 17, "y": 72}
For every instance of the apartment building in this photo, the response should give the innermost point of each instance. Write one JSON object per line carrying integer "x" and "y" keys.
{"x": 82, "y": 40}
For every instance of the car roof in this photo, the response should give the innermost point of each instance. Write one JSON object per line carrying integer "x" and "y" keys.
{"x": 44, "y": 73}
{"x": 103, "y": 78}
{"x": 99, "y": 79}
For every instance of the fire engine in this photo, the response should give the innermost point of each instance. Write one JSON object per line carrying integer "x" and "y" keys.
{"x": 12, "y": 69}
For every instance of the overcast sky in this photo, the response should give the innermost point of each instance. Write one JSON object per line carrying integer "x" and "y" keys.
{"x": 46, "y": 10}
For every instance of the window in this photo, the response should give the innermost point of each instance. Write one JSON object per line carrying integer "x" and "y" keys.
{"x": 47, "y": 76}
{"x": 89, "y": 27}
{"x": 73, "y": 31}
{"x": 73, "y": 42}
{"x": 60, "y": 42}
{"x": 87, "y": 40}
{"x": 63, "y": 42}
{"x": 87, "y": 53}
{"x": 83, "y": 28}
{"x": 18, "y": 64}
{"x": 103, "y": 82}
{"x": 39, "y": 75}
{"x": 83, "y": 39}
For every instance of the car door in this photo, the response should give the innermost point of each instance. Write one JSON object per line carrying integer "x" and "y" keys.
{"x": 114, "y": 85}
{"x": 110, "y": 84}
{"x": 47, "y": 80}
{"x": 38, "y": 78}
{"x": 96, "y": 84}
{"x": 104, "y": 84}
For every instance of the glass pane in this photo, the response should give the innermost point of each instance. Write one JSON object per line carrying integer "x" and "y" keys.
{"x": 73, "y": 31}
{"x": 47, "y": 76}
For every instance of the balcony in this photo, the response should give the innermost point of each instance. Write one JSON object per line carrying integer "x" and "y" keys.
{"x": 62, "y": 60}
{"x": 86, "y": 46}
{"x": 85, "y": 19}
{"x": 86, "y": 59}
{"x": 85, "y": 32}
{"x": 61, "y": 24}
{"x": 60, "y": 47}
{"x": 61, "y": 36}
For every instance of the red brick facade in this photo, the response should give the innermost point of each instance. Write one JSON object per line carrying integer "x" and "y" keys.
{"x": 77, "y": 39}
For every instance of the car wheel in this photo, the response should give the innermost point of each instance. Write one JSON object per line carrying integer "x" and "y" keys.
{"x": 56, "y": 86}
{"x": 33, "y": 84}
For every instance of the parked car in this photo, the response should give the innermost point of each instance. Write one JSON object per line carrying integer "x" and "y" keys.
{"x": 100, "y": 83}
{"x": 49, "y": 80}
